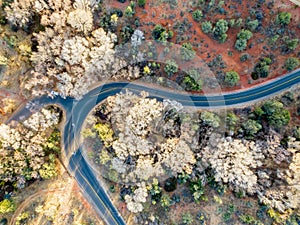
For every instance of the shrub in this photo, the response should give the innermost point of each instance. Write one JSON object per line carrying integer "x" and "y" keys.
{"x": 187, "y": 52}
{"x": 277, "y": 115}
{"x": 291, "y": 63}
{"x": 283, "y": 18}
{"x": 187, "y": 218}
{"x": 171, "y": 67}
{"x": 261, "y": 69}
{"x": 242, "y": 37}
{"x": 291, "y": 44}
{"x": 210, "y": 119}
{"x": 191, "y": 85}
{"x": 220, "y": 30}
{"x": 245, "y": 34}
{"x": 232, "y": 78}
{"x": 170, "y": 184}
{"x": 197, "y": 15}
{"x": 206, "y": 27}
{"x": 251, "y": 127}
{"x": 244, "y": 57}
{"x": 160, "y": 33}
{"x": 252, "y": 24}
{"x": 7, "y": 206}
{"x": 141, "y": 3}
{"x": 240, "y": 44}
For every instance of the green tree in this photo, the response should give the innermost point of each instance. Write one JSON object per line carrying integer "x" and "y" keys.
{"x": 245, "y": 34}
{"x": 291, "y": 63}
{"x": 48, "y": 171}
{"x": 206, "y": 27}
{"x": 252, "y": 24}
{"x": 129, "y": 11}
{"x": 187, "y": 219}
{"x": 7, "y": 206}
{"x": 197, "y": 15}
{"x": 191, "y": 85}
{"x": 291, "y": 44}
{"x": 242, "y": 37}
{"x": 244, "y": 57}
{"x": 197, "y": 190}
{"x": 238, "y": 22}
{"x": 187, "y": 52}
{"x": 210, "y": 119}
{"x": 171, "y": 67}
{"x": 251, "y": 127}
{"x": 220, "y": 30}
{"x": 141, "y": 3}
{"x": 170, "y": 184}
{"x": 105, "y": 133}
{"x": 283, "y": 18}
{"x": 277, "y": 115}
{"x": 232, "y": 78}
{"x": 261, "y": 69}
{"x": 231, "y": 120}
{"x": 161, "y": 34}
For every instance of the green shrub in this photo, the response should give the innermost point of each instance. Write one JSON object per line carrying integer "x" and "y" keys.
{"x": 206, "y": 27}
{"x": 252, "y": 24}
{"x": 232, "y": 78}
{"x": 7, "y": 206}
{"x": 220, "y": 30}
{"x": 171, "y": 67}
{"x": 251, "y": 127}
{"x": 283, "y": 18}
{"x": 197, "y": 15}
{"x": 291, "y": 63}
{"x": 187, "y": 52}
{"x": 141, "y": 3}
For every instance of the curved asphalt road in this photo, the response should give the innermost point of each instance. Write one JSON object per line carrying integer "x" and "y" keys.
{"x": 76, "y": 112}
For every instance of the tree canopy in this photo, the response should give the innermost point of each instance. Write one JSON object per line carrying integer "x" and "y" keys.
{"x": 232, "y": 78}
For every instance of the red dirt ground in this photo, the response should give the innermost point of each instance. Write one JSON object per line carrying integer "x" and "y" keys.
{"x": 157, "y": 11}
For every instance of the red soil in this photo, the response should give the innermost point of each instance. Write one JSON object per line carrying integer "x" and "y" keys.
{"x": 158, "y": 13}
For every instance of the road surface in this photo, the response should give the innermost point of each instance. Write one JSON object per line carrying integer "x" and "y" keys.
{"x": 76, "y": 112}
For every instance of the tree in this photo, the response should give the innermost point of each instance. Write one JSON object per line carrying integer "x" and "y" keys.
{"x": 283, "y": 18}
{"x": 240, "y": 44}
{"x": 197, "y": 15}
{"x": 7, "y": 206}
{"x": 232, "y": 78}
{"x": 187, "y": 52}
{"x": 291, "y": 44}
{"x": 191, "y": 85}
{"x": 261, "y": 69}
{"x": 251, "y": 127}
{"x": 105, "y": 133}
{"x": 161, "y": 34}
{"x": 277, "y": 115}
{"x": 129, "y": 11}
{"x": 220, "y": 30}
{"x": 206, "y": 27}
{"x": 242, "y": 37}
{"x": 141, "y": 3}
{"x": 231, "y": 120}
{"x": 245, "y": 34}
{"x": 197, "y": 190}
{"x": 170, "y": 184}
{"x": 210, "y": 119}
{"x": 291, "y": 63}
{"x": 171, "y": 67}
{"x": 244, "y": 57}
